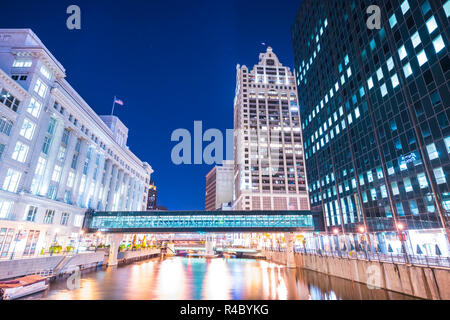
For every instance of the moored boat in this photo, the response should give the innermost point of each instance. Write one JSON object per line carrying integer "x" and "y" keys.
{"x": 21, "y": 287}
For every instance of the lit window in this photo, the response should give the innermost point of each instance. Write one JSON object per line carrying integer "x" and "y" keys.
{"x": 372, "y": 45}
{"x": 439, "y": 175}
{"x": 27, "y": 130}
{"x": 416, "y": 39}
{"x": 369, "y": 176}
{"x": 413, "y": 207}
{"x": 395, "y": 81}
{"x": 40, "y": 88}
{"x": 349, "y": 72}
{"x": 383, "y": 191}
{"x": 357, "y": 113}
{"x": 393, "y": 20}
{"x": 402, "y": 52}
{"x": 20, "y": 152}
{"x": 422, "y": 58}
{"x": 408, "y": 185}
{"x": 383, "y": 90}
{"x": 373, "y": 193}
{"x": 370, "y": 83}
{"x": 432, "y": 152}
{"x": 34, "y": 108}
{"x": 405, "y": 6}
{"x": 22, "y": 63}
{"x": 45, "y": 72}
{"x": 390, "y": 64}
{"x": 447, "y": 8}
{"x": 431, "y": 25}
{"x": 423, "y": 183}
{"x": 380, "y": 173}
{"x": 407, "y": 70}
{"x": 390, "y": 168}
{"x": 56, "y": 173}
{"x": 12, "y": 179}
{"x": 438, "y": 44}
{"x": 380, "y": 74}
{"x": 395, "y": 190}
{"x": 447, "y": 141}
{"x": 347, "y": 60}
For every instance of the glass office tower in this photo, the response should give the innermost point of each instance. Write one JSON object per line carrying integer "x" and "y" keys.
{"x": 375, "y": 110}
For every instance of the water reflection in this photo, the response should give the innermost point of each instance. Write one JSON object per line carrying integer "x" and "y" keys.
{"x": 195, "y": 278}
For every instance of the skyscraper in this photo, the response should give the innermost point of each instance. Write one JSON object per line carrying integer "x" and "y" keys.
{"x": 152, "y": 198}
{"x": 269, "y": 164}
{"x": 219, "y": 186}
{"x": 375, "y": 117}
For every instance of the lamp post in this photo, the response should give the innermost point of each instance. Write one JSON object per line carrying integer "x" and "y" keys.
{"x": 402, "y": 238}
{"x": 17, "y": 239}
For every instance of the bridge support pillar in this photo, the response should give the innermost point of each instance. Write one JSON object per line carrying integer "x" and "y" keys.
{"x": 210, "y": 243}
{"x": 114, "y": 244}
{"x": 290, "y": 258}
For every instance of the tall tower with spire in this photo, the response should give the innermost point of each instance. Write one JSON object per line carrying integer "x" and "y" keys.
{"x": 269, "y": 169}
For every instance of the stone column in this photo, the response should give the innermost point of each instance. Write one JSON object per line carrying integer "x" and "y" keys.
{"x": 115, "y": 240}
{"x": 210, "y": 243}
{"x": 290, "y": 258}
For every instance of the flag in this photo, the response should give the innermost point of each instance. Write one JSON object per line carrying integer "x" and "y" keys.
{"x": 118, "y": 101}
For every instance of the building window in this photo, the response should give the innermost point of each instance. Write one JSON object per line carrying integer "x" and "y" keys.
{"x": 402, "y": 53}
{"x": 31, "y": 215}
{"x": 56, "y": 173}
{"x": 405, "y": 6}
{"x": 9, "y": 100}
{"x": 21, "y": 63}
{"x": 20, "y": 152}
{"x": 34, "y": 108}
{"x": 431, "y": 25}
{"x": 394, "y": 80}
{"x": 416, "y": 39}
{"x": 46, "y": 145}
{"x": 11, "y": 182}
{"x": 422, "y": 58}
{"x": 395, "y": 190}
{"x": 408, "y": 185}
{"x": 439, "y": 175}
{"x": 45, "y": 72}
{"x": 27, "y": 130}
{"x": 393, "y": 20}
{"x": 40, "y": 88}
{"x": 49, "y": 216}
{"x": 438, "y": 44}
{"x": 432, "y": 152}
{"x": 423, "y": 183}
{"x": 413, "y": 207}
{"x": 5, "y": 126}
{"x": 64, "y": 218}
{"x": 407, "y": 70}
{"x": 5, "y": 208}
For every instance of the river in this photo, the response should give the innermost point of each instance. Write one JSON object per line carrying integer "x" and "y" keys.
{"x": 178, "y": 278}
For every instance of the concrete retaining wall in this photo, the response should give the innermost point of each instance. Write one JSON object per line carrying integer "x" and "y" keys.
{"x": 16, "y": 268}
{"x": 423, "y": 282}
{"x": 129, "y": 256}
{"x": 84, "y": 261}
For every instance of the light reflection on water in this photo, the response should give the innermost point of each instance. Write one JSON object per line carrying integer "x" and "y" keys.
{"x": 210, "y": 279}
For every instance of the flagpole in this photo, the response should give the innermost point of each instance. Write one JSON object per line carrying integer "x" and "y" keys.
{"x": 114, "y": 103}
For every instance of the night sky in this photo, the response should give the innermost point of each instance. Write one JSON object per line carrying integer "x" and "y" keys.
{"x": 171, "y": 62}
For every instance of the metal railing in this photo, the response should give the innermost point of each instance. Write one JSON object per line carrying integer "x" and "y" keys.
{"x": 419, "y": 260}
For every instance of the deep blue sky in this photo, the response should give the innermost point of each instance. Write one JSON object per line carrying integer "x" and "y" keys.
{"x": 171, "y": 62}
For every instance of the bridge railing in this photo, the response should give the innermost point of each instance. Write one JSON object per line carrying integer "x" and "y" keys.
{"x": 419, "y": 260}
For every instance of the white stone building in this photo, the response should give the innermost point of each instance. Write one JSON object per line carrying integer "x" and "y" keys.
{"x": 219, "y": 186}
{"x": 269, "y": 156}
{"x": 58, "y": 158}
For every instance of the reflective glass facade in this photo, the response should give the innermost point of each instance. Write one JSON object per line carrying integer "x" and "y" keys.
{"x": 375, "y": 110}
{"x": 185, "y": 221}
